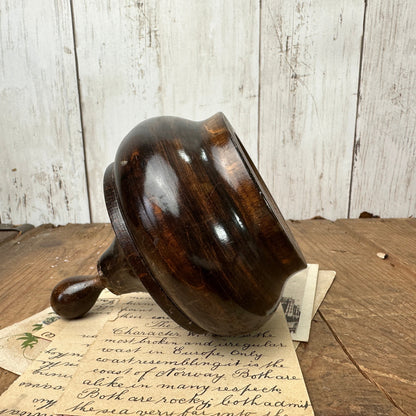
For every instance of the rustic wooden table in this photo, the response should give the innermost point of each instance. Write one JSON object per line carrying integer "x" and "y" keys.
{"x": 361, "y": 357}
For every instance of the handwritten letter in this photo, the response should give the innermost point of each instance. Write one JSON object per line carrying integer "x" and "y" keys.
{"x": 142, "y": 363}
{"x": 37, "y": 391}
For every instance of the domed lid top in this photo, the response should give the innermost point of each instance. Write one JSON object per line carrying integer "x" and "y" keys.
{"x": 198, "y": 224}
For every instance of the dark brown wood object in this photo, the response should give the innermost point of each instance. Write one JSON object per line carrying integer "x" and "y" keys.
{"x": 195, "y": 225}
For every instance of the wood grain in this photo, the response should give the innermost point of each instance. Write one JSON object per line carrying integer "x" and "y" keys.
{"x": 370, "y": 307}
{"x": 310, "y": 56}
{"x": 42, "y": 170}
{"x": 209, "y": 62}
{"x": 7, "y": 235}
{"x": 335, "y": 386}
{"x": 119, "y": 80}
{"x": 182, "y": 58}
{"x": 198, "y": 227}
{"x": 9, "y": 232}
{"x": 395, "y": 237}
{"x": 32, "y": 264}
{"x": 139, "y": 59}
{"x": 351, "y": 366}
{"x": 286, "y": 74}
{"x": 383, "y": 179}
{"x": 35, "y": 262}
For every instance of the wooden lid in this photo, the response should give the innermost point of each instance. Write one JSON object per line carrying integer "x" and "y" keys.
{"x": 198, "y": 225}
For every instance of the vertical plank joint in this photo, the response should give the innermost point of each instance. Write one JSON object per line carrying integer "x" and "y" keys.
{"x": 259, "y": 86}
{"x": 356, "y": 142}
{"x": 74, "y": 40}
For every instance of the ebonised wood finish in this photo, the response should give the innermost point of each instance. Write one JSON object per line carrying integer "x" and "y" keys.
{"x": 196, "y": 226}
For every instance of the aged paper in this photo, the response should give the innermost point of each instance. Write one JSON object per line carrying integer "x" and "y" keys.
{"x": 23, "y": 341}
{"x": 325, "y": 280}
{"x": 143, "y": 363}
{"x": 36, "y": 392}
{"x": 297, "y": 301}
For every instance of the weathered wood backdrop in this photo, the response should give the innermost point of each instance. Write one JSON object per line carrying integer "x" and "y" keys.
{"x": 321, "y": 92}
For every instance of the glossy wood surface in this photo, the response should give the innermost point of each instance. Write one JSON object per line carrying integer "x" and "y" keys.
{"x": 195, "y": 226}
{"x": 74, "y": 296}
{"x": 198, "y": 225}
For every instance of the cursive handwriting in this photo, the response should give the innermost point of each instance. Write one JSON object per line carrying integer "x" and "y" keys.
{"x": 145, "y": 367}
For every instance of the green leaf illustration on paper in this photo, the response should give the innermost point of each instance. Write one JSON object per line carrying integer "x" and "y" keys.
{"x": 36, "y": 327}
{"x": 29, "y": 340}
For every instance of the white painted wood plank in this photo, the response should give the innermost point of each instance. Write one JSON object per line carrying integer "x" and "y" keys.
{"x": 310, "y": 57}
{"x": 119, "y": 80}
{"x": 42, "y": 169}
{"x": 384, "y": 179}
{"x": 210, "y": 62}
{"x": 143, "y": 59}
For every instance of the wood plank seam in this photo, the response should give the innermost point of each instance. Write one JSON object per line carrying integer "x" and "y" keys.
{"x": 81, "y": 118}
{"x": 300, "y": 73}
{"x": 355, "y": 141}
{"x": 359, "y": 368}
{"x": 259, "y": 88}
{"x": 384, "y": 181}
{"x": 28, "y": 234}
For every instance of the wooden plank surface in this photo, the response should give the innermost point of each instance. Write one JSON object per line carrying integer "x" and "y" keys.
{"x": 383, "y": 179}
{"x": 359, "y": 360}
{"x": 394, "y": 237}
{"x": 7, "y": 235}
{"x": 370, "y": 309}
{"x": 310, "y": 53}
{"x": 42, "y": 169}
{"x": 170, "y": 57}
{"x": 40, "y": 259}
{"x": 32, "y": 264}
{"x": 335, "y": 386}
{"x": 9, "y": 232}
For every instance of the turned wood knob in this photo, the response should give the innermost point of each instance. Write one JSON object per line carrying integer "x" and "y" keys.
{"x": 195, "y": 226}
